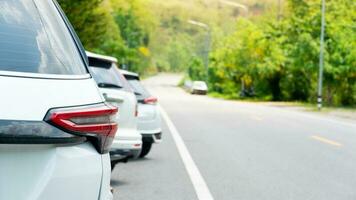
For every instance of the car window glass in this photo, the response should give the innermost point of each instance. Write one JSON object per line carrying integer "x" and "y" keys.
{"x": 199, "y": 84}
{"x": 140, "y": 91}
{"x": 104, "y": 75}
{"x": 125, "y": 84}
{"x": 35, "y": 39}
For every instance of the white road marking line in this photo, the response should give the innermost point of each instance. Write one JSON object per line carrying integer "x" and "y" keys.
{"x": 201, "y": 188}
{"x": 327, "y": 141}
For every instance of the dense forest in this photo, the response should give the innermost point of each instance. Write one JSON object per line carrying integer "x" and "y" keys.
{"x": 262, "y": 49}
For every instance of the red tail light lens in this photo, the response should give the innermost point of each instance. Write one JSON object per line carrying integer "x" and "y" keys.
{"x": 96, "y": 122}
{"x": 150, "y": 100}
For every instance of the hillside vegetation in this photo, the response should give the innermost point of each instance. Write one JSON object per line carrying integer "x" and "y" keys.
{"x": 151, "y": 35}
{"x": 258, "y": 49}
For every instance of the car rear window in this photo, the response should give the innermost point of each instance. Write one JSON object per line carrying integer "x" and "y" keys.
{"x": 140, "y": 92}
{"x": 106, "y": 73}
{"x": 199, "y": 84}
{"x": 105, "y": 76}
{"x": 126, "y": 84}
{"x": 35, "y": 39}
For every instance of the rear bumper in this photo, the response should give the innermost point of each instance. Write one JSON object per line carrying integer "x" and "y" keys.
{"x": 119, "y": 154}
{"x": 124, "y": 154}
{"x": 127, "y": 139}
{"x": 123, "y": 149}
{"x": 153, "y": 137}
{"x": 149, "y": 126}
{"x": 126, "y": 145}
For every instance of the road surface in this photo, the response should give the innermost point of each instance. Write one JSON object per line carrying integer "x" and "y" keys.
{"x": 241, "y": 150}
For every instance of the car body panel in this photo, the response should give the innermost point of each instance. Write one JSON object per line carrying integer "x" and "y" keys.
{"x": 54, "y": 170}
{"x": 47, "y": 172}
{"x": 199, "y": 87}
{"x": 118, "y": 93}
{"x": 28, "y": 99}
{"x": 43, "y": 67}
{"x": 128, "y": 137}
{"x": 149, "y": 118}
{"x": 105, "y": 182}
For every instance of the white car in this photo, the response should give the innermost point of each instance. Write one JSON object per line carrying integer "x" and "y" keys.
{"x": 149, "y": 118}
{"x": 199, "y": 87}
{"x": 55, "y": 129}
{"x": 116, "y": 90}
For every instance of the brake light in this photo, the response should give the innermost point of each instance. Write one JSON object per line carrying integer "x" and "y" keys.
{"x": 150, "y": 100}
{"x": 96, "y": 122}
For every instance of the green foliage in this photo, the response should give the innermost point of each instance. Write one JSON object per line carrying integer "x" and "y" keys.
{"x": 280, "y": 58}
{"x": 113, "y": 27}
{"x": 196, "y": 69}
{"x": 253, "y": 54}
{"x": 94, "y": 26}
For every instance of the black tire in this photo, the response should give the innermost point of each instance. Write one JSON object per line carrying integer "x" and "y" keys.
{"x": 146, "y": 148}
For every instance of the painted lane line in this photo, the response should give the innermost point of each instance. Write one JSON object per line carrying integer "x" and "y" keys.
{"x": 327, "y": 141}
{"x": 201, "y": 189}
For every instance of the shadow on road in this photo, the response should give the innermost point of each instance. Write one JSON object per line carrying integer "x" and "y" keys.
{"x": 140, "y": 160}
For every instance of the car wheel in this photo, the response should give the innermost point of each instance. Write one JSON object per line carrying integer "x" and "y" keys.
{"x": 146, "y": 148}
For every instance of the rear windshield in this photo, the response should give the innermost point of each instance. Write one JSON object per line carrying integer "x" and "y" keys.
{"x": 107, "y": 75}
{"x": 140, "y": 92}
{"x": 126, "y": 85}
{"x": 199, "y": 84}
{"x": 35, "y": 39}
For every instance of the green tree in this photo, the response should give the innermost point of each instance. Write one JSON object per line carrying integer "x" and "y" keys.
{"x": 196, "y": 69}
{"x": 94, "y": 25}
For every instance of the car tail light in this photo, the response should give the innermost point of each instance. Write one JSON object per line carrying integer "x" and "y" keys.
{"x": 97, "y": 122}
{"x": 150, "y": 100}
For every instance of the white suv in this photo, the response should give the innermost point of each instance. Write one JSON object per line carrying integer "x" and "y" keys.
{"x": 55, "y": 129}
{"x": 149, "y": 117}
{"x": 117, "y": 92}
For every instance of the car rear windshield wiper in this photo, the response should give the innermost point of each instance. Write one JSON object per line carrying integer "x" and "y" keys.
{"x": 137, "y": 93}
{"x": 108, "y": 85}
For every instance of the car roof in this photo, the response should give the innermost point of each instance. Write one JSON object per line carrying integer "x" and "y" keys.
{"x": 101, "y": 57}
{"x": 129, "y": 74}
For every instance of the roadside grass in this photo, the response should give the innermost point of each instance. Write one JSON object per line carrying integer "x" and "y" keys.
{"x": 326, "y": 108}
{"x": 312, "y": 107}
{"x": 238, "y": 98}
{"x": 337, "y": 111}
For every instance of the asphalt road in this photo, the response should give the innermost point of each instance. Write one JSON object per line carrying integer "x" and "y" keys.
{"x": 244, "y": 151}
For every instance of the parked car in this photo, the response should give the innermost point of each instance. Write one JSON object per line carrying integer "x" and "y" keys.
{"x": 199, "y": 87}
{"x": 55, "y": 129}
{"x": 149, "y": 118}
{"x": 117, "y": 91}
